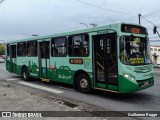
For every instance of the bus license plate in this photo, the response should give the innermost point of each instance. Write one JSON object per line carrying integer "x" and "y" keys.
{"x": 145, "y": 83}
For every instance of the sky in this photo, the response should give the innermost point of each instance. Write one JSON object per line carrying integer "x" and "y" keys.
{"x": 22, "y": 18}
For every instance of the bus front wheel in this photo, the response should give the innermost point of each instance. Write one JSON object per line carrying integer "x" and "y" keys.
{"x": 25, "y": 74}
{"x": 83, "y": 83}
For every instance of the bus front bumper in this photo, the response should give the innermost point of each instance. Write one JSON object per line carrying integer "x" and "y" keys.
{"x": 127, "y": 86}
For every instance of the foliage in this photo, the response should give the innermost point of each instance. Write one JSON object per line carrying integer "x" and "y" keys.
{"x": 2, "y": 49}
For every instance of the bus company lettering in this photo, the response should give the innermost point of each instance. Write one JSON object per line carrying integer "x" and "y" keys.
{"x": 64, "y": 77}
{"x": 136, "y": 60}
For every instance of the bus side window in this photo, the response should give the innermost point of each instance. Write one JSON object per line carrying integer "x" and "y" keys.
{"x": 55, "y": 52}
{"x": 32, "y": 48}
{"x": 78, "y": 45}
{"x": 21, "y": 49}
{"x": 58, "y": 47}
{"x": 8, "y": 50}
{"x": 82, "y": 50}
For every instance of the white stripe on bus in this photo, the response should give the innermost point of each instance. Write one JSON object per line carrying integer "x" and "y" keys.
{"x": 41, "y": 87}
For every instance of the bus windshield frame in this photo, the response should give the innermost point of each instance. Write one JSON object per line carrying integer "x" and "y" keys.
{"x": 134, "y": 50}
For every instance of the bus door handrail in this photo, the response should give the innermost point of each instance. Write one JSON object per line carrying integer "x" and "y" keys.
{"x": 100, "y": 65}
{"x": 99, "y": 55}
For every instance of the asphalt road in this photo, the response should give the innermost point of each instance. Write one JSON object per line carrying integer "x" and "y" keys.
{"x": 145, "y": 100}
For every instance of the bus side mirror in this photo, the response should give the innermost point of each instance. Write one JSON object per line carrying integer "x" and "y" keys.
{"x": 154, "y": 29}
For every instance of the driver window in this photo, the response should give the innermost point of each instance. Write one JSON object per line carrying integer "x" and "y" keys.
{"x": 124, "y": 52}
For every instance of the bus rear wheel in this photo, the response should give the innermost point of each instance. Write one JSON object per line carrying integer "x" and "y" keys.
{"x": 25, "y": 74}
{"x": 83, "y": 83}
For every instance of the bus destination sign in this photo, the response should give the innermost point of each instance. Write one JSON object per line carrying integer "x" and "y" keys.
{"x": 133, "y": 29}
{"x": 136, "y": 60}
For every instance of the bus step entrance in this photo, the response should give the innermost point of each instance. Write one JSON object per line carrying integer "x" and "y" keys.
{"x": 45, "y": 80}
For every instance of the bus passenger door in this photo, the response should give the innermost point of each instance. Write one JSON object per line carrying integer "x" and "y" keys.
{"x": 105, "y": 61}
{"x": 13, "y": 58}
{"x": 44, "y": 57}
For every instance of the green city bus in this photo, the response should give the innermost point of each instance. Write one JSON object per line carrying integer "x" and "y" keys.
{"x": 112, "y": 57}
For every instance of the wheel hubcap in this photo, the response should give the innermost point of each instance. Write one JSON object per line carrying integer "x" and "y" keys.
{"x": 83, "y": 83}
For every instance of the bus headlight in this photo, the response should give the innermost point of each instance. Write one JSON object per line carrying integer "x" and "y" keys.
{"x": 126, "y": 75}
{"x": 133, "y": 78}
{"x": 130, "y": 77}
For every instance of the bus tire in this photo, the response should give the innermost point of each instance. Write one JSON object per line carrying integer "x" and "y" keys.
{"x": 25, "y": 74}
{"x": 83, "y": 83}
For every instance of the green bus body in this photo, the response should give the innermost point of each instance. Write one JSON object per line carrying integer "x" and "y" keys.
{"x": 101, "y": 63}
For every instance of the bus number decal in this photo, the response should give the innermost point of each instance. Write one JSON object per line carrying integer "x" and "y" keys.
{"x": 76, "y": 61}
{"x": 102, "y": 32}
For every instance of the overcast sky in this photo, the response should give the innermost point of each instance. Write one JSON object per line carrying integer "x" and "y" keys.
{"x": 22, "y": 18}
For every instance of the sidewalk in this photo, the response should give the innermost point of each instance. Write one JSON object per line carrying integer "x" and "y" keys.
{"x": 13, "y": 98}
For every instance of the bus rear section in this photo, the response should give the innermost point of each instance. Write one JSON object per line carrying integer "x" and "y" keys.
{"x": 11, "y": 58}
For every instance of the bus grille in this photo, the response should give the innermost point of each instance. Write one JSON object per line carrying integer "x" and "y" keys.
{"x": 142, "y": 69}
{"x": 143, "y": 83}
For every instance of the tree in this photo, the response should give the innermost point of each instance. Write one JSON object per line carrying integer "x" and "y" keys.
{"x": 2, "y": 49}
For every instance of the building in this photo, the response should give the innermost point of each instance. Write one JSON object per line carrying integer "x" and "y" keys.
{"x": 155, "y": 53}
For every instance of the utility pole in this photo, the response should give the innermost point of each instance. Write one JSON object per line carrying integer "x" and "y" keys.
{"x": 139, "y": 17}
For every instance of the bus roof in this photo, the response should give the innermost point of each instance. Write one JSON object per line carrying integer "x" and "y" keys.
{"x": 88, "y": 30}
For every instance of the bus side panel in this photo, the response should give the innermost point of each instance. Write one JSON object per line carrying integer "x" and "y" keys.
{"x": 8, "y": 64}
{"x": 60, "y": 71}
{"x": 21, "y": 61}
{"x": 71, "y": 69}
{"x": 14, "y": 65}
{"x": 33, "y": 67}
{"x": 31, "y": 63}
{"x": 54, "y": 69}
{"x": 8, "y": 59}
{"x": 63, "y": 71}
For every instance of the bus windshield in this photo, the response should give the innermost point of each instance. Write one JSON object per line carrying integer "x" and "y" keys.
{"x": 134, "y": 50}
